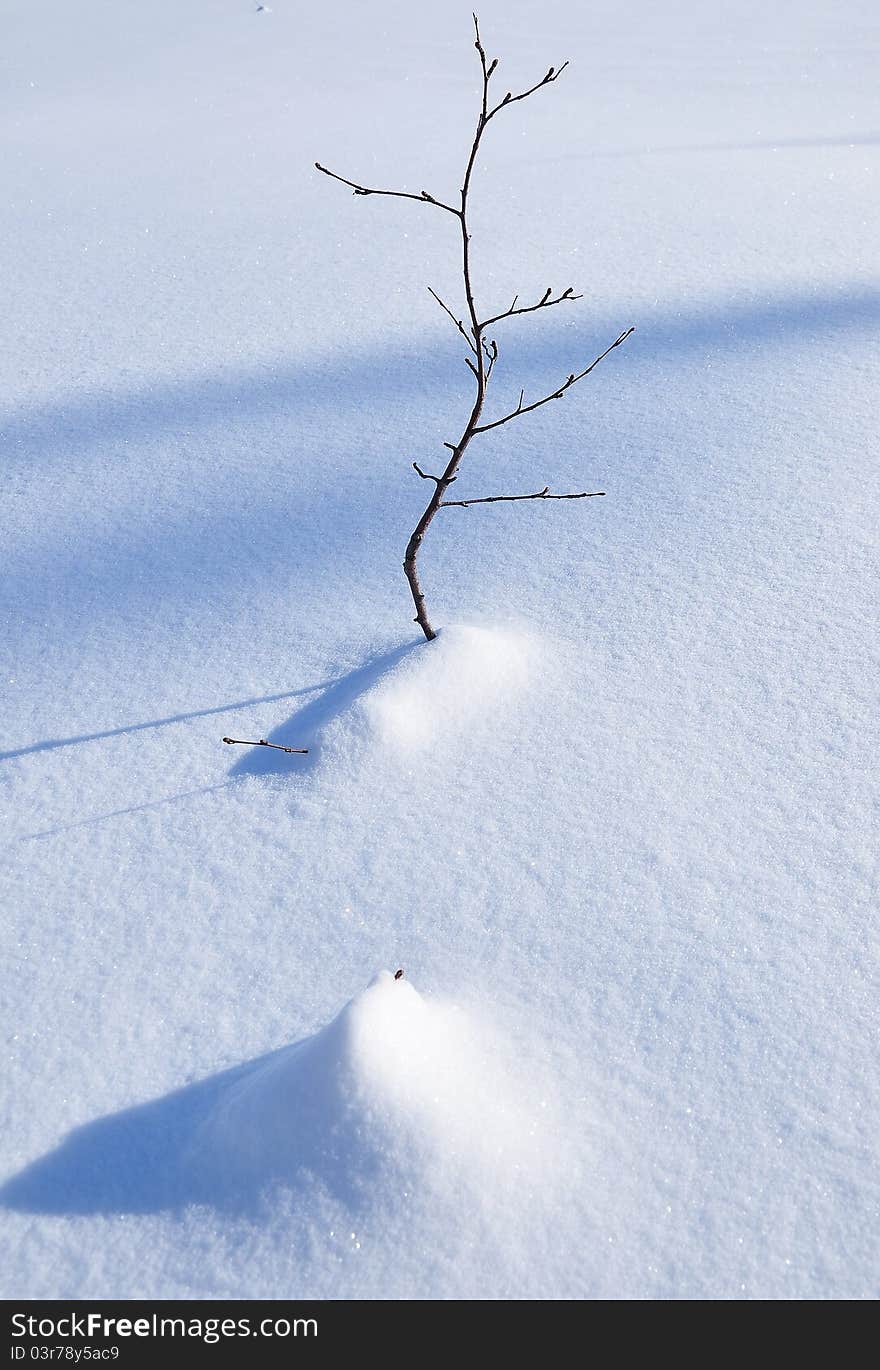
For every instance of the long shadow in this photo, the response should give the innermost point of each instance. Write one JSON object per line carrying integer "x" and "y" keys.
{"x": 229, "y": 400}
{"x": 871, "y": 139}
{"x": 120, "y": 813}
{"x": 811, "y": 316}
{"x": 154, "y": 1157}
{"x": 49, "y": 584}
{"x": 51, "y": 743}
{"x": 90, "y": 421}
{"x": 302, "y": 729}
{"x": 128, "y": 1162}
{"x": 306, "y": 726}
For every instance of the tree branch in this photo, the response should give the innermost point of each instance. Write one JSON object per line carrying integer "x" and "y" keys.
{"x": 487, "y": 69}
{"x": 544, "y": 303}
{"x": 507, "y": 499}
{"x": 439, "y": 480}
{"x": 423, "y": 197}
{"x": 556, "y": 394}
{"x": 491, "y": 350}
{"x": 458, "y": 323}
{"x": 552, "y": 75}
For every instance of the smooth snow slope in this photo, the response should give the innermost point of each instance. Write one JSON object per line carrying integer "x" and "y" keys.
{"x": 618, "y": 823}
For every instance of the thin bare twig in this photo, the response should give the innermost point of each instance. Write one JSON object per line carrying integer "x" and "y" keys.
{"x": 544, "y": 303}
{"x": 425, "y": 475}
{"x": 239, "y": 742}
{"x": 507, "y": 499}
{"x": 423, "y": 197}
{"x": 491, "y": 357}
{"x": 552, "y": 75}
{"x": 556, "y": 394}
{"x": 458, "y": 323}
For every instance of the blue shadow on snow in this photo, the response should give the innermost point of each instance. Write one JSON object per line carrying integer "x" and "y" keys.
{"x": 147, "y": 1159}
{"x": 306, "y": 726}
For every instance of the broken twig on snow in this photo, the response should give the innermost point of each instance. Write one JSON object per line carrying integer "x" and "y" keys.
{"x": 240, "y": 742}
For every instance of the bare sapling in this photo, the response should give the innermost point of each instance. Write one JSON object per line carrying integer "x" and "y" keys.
{"x": 477, "y": 331}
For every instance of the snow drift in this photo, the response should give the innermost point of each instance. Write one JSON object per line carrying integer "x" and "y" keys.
{"x": 395, "y": 1085}
{"x": 448, "y": 684}
{"x": 400, "y": 702}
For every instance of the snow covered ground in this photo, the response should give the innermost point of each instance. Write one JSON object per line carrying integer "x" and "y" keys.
{"x": 618, "y": 822}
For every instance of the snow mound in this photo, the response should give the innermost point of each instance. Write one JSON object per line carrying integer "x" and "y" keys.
{"x": 447, "y": 685}
{"x": 396, "y": 1085}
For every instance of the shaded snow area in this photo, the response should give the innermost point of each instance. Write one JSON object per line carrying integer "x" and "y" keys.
{"x": 617, "y": 823}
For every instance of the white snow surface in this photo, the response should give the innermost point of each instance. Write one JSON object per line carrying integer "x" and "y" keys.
{"x": 618, "y": 823}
